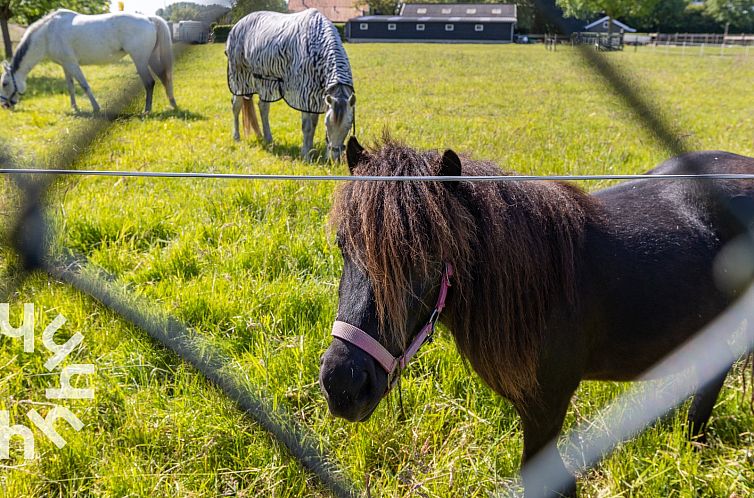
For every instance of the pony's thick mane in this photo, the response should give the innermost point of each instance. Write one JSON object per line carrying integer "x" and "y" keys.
{"x": 514, "y": 247}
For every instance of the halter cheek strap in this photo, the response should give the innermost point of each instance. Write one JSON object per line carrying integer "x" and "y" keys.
{"x": 15, "y": 89}
{"x": 394, "y": 366}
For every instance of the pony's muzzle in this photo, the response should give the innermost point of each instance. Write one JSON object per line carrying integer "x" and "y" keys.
{"x": 350, "y": 382}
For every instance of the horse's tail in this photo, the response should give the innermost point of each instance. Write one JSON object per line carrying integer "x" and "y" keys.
{"x": 250, "y": 116}
{"x": 161, "y": 61}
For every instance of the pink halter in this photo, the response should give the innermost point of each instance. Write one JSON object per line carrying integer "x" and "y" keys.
{"x": 392, "y": 365}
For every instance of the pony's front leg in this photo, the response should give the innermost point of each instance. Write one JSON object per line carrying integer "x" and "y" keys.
{"x": 75, "y": 71}
{"x": 264, "y": 113}
{"x": 542, "y": 419}
{"x": 308, "y": 127}
{"x": 71, "y": 90}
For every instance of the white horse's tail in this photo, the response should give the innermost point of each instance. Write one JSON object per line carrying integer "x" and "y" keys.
{"x": 161, "y": 60}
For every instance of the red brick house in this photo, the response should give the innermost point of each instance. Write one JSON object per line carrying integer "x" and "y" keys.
{"x": 335, "y": 10}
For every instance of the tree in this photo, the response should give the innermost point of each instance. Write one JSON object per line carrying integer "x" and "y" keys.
{"x": 738, "y": 14}
{"x": 28, "y": 11}
{"x": 613, "y": 9}
{"x": 244, "y": 7}
{"x": 189, "y": 11}
{"x": 382, "y": 7}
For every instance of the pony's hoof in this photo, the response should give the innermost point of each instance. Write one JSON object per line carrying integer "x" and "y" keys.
{"x": 237, "y": 138}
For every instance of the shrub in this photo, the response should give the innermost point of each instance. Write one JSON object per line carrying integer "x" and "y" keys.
{"x": 220, "y": 32}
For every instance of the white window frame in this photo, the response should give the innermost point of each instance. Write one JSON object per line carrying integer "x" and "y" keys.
{"x": 497, "y": 11}
{"x": 450, "y": 27}
{"x": 479, "y": 27}
{"x": 447, "y": 11}
{"x": 605, "y": 24}
{"x": 363, "y": 26}
{"x": 420, "y": 27}
{"x": 391, "y": 26}
{"x": 471, "y": 11}
{"x": 421, "y": 11}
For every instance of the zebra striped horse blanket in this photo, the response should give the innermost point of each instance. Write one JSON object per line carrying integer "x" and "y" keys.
{"x": 296, "y": 57}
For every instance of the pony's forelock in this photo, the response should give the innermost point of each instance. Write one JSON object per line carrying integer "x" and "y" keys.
{"x": 398, "y": 231}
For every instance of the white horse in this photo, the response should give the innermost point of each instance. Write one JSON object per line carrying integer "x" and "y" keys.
{"x": 71, "y": 40}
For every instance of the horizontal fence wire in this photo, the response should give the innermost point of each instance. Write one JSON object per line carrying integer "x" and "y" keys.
{"x": 367, "y": 178}
{"x": 27, "y": 237}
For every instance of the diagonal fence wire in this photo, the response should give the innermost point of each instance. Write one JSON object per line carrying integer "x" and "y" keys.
{"x": 716, "y": 346}
{"x": 28, "y": 238}
{"x": 214, "y": 366}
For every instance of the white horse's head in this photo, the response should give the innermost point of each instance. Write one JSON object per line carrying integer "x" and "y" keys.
{"x": 11, "y": 87}
{"x": 339, "y": 118}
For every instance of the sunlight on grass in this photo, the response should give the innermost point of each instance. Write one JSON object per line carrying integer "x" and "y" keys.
{"x": 252, "y": 267}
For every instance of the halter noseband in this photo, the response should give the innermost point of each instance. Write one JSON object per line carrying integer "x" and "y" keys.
{"x": 394, "y": 366}
{"x": 9, "y": 100}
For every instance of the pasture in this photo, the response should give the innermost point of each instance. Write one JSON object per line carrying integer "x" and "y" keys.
{"x": 253, "y": 269}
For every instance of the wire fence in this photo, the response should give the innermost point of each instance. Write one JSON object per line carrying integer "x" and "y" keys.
{"x": 628, "y": 415}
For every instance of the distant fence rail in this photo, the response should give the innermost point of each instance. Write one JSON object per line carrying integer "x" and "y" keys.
{"x": 697, "y": 39}
{"x": 601, "y": 41}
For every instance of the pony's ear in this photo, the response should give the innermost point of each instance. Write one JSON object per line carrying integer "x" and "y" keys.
{"x": 328, "y": 100}
{"x": 352, "y": 100}
{"x": 450, "y": 164}
{"x": 354, "y": 153}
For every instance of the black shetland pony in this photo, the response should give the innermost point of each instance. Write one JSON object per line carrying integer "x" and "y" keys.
{"x": 549, "y": 285}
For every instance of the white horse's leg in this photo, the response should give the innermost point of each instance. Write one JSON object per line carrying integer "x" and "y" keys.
{"x": 71, "y": 90}
{"x": 264, "y": 112}
{"x": 148, "y": 81}
{"x": 74, "y": 70}
{"x": 308, "y": 127}
{"x": 237, "y": 104}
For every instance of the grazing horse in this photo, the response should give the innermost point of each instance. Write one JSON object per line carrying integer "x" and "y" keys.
{"x": 72, "y": 40}
{"x": 541, "y": 284}
{"x": 297, "y": 57}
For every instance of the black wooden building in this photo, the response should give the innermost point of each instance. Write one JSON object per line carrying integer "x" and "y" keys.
{"x": 447, "y": 23}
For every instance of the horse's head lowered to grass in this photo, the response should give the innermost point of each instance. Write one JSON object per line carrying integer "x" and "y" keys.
{"x": 11, "y": 87}
{"x": 339, "y": 118}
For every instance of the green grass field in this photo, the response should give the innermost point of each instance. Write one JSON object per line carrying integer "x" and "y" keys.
{"x": 253, "y": 270}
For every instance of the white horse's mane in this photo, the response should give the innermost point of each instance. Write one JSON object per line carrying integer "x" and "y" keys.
{"x": 23, "y": 45}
